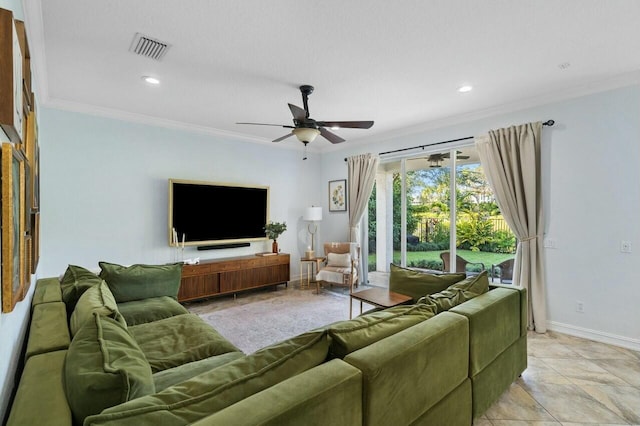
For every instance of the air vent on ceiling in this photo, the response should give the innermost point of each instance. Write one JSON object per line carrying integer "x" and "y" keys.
{"x": 148, "y": 46}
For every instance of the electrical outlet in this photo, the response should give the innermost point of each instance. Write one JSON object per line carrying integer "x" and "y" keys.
{"x": 625, "y": 246}
{"x": 549, "y": 243}
{"x": 580, "y": 307}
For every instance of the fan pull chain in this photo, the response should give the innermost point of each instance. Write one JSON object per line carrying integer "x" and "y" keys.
{"x": 304, "y": 153}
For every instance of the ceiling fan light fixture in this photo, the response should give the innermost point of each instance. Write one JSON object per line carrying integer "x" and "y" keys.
{"x": 306, "y": 134}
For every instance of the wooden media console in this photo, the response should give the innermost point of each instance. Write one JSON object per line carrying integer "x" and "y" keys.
{"x": 230, "y": 275}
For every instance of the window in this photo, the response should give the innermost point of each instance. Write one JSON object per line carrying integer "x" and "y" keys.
{"x": 412, "y": 219}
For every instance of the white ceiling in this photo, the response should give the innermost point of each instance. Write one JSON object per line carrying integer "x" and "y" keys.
{"x": 398, "y": 63}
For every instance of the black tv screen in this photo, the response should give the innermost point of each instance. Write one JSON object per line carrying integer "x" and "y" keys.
{"x": 214, "y": 213}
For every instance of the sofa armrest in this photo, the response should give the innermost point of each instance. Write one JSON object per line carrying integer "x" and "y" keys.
{"x": 413, "y": 369}
{"x": 329, "y": 394}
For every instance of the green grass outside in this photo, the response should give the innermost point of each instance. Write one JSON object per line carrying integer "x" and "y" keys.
{"x": 471, "y": 256}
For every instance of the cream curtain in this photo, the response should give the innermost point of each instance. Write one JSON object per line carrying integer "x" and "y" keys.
{"x": 361, "y": 174}
{"x": 511, "y": 161}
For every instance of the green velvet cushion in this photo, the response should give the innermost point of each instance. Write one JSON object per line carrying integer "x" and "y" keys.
{"x": 406, "y": 374}
{"x": 48, "y": 331}
{"x": 417, "y": 284}
{"x": 40, "y": 398}
{"x": 149, "y": 310}
{"x": 47, "y": 290}
{"x": 174, "y": 341}
{"x": 96, "y": 299}
{"x": 165, "y": 378}
{"x": 138, "y": 282}
{"x": 351, "y": 335}
{"x": 104, "y": 367}
{"x": 329, "y": 394}
{"x": 494, "y": 323}
{"x": 75, "y": 281}
{"x": 196, "y": 398}
{"x": 458, "y": 293}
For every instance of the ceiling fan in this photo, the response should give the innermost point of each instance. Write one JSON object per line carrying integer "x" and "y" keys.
{"x": 306, "y": 128}
{"x": 436, "y": 159}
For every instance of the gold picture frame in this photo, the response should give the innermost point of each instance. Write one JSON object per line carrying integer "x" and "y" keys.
{"x": 13, "y": 226}
{"x": 338, "y": 195}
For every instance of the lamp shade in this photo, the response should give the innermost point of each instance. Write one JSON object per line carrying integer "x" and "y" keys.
{"x": 306, "y": 134}
{"x": 313, "y": 213}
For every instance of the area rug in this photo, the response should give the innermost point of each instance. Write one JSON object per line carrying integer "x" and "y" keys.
{"x": 254, "y": 320}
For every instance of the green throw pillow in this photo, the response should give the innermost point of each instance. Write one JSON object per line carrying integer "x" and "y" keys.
{"x": 457, "y": 293}
{"x": 96, "y": 299}
{"x": 417, "y": 284}
{"x": 75, "y": 281}
{"x": 104, "y": 367}
{"x": 350, "y": 335}
{"x": 137, "y": 282}
{"x": 210, "y": 392}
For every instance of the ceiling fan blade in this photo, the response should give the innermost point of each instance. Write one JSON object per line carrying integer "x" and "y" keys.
{"x": 265, "y": 124}
{"x": 298, "y": 113}
{"x": 458, "y": 156}
{"x": 346, "y": 124}
{"x": 282, "y": 138}
{"x": 331, "y": 137}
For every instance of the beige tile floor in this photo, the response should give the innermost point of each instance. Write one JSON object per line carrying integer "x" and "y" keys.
{"x": 568, "y": 381}
{"x": 571, "y": 381}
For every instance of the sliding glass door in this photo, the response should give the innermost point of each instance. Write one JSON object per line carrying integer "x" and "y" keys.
{"x": 414, "y": 221}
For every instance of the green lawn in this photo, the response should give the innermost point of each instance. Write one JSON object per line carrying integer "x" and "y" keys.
{"x": 472, "y": 256}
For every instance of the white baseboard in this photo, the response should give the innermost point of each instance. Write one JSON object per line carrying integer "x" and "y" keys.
{"x": 598, "y": 336}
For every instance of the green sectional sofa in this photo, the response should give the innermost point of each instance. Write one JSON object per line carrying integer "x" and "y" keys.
{"x": 117, "y": 349}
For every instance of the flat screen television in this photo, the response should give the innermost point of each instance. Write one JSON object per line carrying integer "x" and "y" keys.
{"x": 209, "y": 213}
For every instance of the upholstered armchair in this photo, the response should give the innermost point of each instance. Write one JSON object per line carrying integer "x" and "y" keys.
{"x": 341, "y": 265}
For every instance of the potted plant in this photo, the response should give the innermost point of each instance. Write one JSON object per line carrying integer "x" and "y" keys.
{"x": 273, "y": 231}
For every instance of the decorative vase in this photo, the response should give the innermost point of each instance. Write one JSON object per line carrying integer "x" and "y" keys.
{"x": 274, "y": 246}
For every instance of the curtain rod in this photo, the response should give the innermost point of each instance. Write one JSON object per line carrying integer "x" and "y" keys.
{"x": 546, "y": 123}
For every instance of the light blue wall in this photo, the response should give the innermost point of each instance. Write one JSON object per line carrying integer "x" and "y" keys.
{"x": 104, "y": 188}
{"x": 591, "y": 196}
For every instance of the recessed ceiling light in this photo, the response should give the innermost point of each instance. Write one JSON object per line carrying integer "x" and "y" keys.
{"x": 150, "y": 80}
{"x": 464, "y": 89}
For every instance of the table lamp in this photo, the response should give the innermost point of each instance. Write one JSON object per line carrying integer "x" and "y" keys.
{"x": 313, "y": 215}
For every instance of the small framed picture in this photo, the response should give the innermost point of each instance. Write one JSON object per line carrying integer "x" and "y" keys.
{"x": 338, "y": 195}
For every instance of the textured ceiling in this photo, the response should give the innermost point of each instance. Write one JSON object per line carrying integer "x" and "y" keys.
{"x": 398, "y": 63}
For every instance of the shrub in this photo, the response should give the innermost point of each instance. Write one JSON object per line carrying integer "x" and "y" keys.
{"x": 474, "y": 233}
{"x": 426, "y": 264}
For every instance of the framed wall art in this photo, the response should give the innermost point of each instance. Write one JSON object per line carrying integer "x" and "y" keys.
{"x": 338, "y": 195}
{"x": 13, "y": 226}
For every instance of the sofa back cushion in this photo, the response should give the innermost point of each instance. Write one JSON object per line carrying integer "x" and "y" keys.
{"x": 47, "y": 290}
{"x": 75, "y": 281}
{"x": 408, "y": 373}
{"x": 457, "y": 293}
{"x": 137, "y": 282}
{"x": 48, "y": 331}
{"x": 221, "y": 387}
{"x": 494, "y": 322}
{"x": 417, "y": 283}
{"x": 104, "y": 367}
{"x": 96, "y": 299}
{"x": 351, "y": 335}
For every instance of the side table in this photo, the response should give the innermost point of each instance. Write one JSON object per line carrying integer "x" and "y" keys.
{"x": 309, "y": 262}
{"x": 380, "y": 297}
